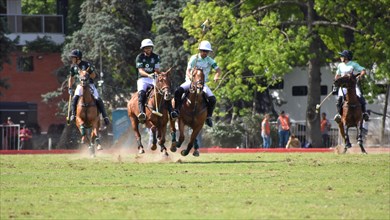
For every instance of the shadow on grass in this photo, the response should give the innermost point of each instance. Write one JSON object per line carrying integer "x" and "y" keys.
{"x": 232, "y": 162}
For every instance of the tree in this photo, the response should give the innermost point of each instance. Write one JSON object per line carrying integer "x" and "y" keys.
{"x": 113, "y": 30}
{"x": 7, "y": 46}
{"x": 169, "y": 37}
{"x": 265, "y": 39}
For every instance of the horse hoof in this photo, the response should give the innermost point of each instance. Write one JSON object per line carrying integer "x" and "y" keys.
{"x": 154, "y": 147}
{"x": 345, "y": 150}
{"x": 184, "y": 153}
{"x": 99, "y": 147}
{"x": 141, "y": 150}
{"x": 165, "y": 154}
{"x": 196, "y": 153}
{"x": 173, "y": 149}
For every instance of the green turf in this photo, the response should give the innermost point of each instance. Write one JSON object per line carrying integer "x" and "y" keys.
{"x": 213, "y": 186}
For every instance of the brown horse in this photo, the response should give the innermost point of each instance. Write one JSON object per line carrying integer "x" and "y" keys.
{"x": 156, "y": 112}
{"x": 352, "y": 111}
{"x": 87, "y": 115}
{"x": 193, "y": 113}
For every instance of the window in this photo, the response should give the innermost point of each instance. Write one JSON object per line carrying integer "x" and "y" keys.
{"x": 302, "y": 90}
{"x": 25, "y": 64}
{"x": 324, "y": 90}
{"x": 299, "y": 90}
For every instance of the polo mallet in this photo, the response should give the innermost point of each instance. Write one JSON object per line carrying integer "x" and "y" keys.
{"x": 68, "y": 116}
{"x": 155, "y": 98}
{"x": 319, "y": 105}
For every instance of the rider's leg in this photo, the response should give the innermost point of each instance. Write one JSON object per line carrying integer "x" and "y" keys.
{"x": 362, "y": 101}
{"x": 339, "y": 106}
{"x": 211, "y": 101}
{"x": 141, "y": 106}
{"x": 178, "y": 102}
{"x": 74, "y": 106}
{"x": 100, "y": 105}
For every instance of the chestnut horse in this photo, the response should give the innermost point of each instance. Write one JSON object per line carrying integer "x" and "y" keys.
{"x": 193, "y": 113}
{"x": 87, "y": 114}
{"x": 351, "y": 111}
{"x": 156, "y": 112}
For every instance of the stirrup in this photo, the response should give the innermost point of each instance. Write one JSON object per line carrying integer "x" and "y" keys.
{"x": 72, "y": 118}
{"x": 209, "y": 122}
{"x": 337, "y": 118}
{"x": 365, "y": 116}
{"x": 141, "y": 117}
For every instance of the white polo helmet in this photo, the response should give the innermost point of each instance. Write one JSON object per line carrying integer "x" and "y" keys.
{"x": 146, "y": 43}
{"x": 205, "y": 45}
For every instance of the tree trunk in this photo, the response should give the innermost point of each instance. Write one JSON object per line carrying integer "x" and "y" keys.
{"x": 385, "y": 115}
{"x": 313, "y": 133}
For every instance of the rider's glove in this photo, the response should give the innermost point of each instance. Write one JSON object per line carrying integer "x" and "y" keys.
{"x": 70, "y": 91}
{"x": 335, "y": 88}
{"x": 152, "y": 75}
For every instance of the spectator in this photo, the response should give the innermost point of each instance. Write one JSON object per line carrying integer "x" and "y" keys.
{"x": 283, "y": 129}
{"x": 25, "y": 138}
{"x": 325, "y": 128}
{"x": 293, "y": 142}
{"x": 266, "y": 131}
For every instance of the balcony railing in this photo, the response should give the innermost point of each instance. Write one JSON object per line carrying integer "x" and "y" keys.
{"x": 33, "y": 23}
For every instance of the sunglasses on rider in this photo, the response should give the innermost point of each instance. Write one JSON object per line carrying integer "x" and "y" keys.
{"x": 204, "y": 51}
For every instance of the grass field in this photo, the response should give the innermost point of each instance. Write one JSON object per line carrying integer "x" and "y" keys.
{"x": 213, "y": 186}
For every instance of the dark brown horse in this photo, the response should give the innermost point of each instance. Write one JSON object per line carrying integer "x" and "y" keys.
{"x": 351, "y": 113}
{"x": 193, "y": 114}
{"x": 87, "y": 115}
{"x": 156, "y": 112}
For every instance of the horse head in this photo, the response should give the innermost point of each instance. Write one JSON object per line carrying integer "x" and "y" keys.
{"x": 198, "y": 80}
{"x": 163, "y": 85}
{"x": 347, "y": 81}
{"x": 84, "y": 77}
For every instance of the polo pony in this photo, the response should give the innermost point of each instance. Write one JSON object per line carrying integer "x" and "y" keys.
{"x": 87, "y": 115}
{"x": 351, "y": 111}
{"x": 156, "y": 112}
{"x": 193, "y": 113}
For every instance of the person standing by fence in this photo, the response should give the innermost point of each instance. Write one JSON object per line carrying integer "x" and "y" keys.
{"x": 25, "y": 138}
{"x": 266, "y": 131}
{"x": 325, "y": 128}
{"x": 283, "y": 129}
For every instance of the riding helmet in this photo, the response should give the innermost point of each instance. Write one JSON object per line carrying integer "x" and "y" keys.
{"x": 146, "y": 43}
{"x": 205, "y": 45}
{"x": 76, "y": 53}
{"x": 347, "y": 54}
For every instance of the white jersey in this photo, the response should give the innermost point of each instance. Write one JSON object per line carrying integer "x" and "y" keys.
{"x": 348, "y": 68}
{"x": 205, "y": 63}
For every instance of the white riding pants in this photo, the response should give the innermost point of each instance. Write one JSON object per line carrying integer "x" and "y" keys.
{"x": 343, "y": 91}
{"x": 79, "y": 91}
{"x": 187, "y": 84}
{"x": 143, "y": 83}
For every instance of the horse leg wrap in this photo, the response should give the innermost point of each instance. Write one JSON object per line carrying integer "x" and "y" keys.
{"x": 173, "y": 135}
{"x": 83, "y": 132}
{"x": 139, "y": 143}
